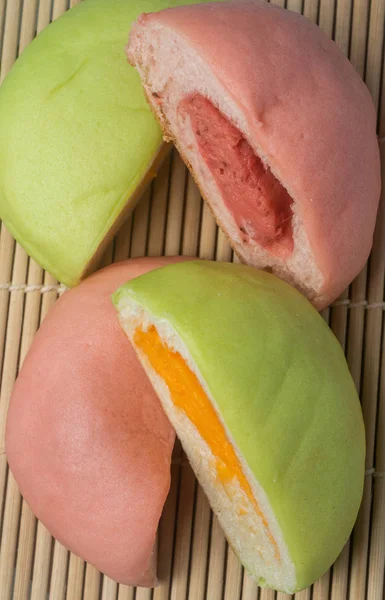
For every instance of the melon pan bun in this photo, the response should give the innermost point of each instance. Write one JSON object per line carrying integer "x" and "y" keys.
{"x": 86, "y": 439}
{"x": 301, "y": 107}
{"x": 262, "y": 400}
{"x": 78, "y": 142}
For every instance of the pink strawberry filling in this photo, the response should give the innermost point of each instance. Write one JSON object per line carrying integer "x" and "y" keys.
{"x": 258, "y": 203}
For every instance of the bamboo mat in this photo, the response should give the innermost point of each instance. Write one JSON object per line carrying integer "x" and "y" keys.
{"x": 195, "y": 562}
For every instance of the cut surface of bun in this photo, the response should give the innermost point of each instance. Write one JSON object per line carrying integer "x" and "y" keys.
{"x": 237, "y": 499}
{"x": 278, "y": 131}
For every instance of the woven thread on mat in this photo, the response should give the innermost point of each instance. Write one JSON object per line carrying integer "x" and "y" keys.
{"x": 374, "y": 473}
{"x": 26, "y": 287}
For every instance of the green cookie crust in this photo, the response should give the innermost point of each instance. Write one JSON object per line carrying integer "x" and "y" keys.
{"x": 77, "y": 137}
{"x": 283, "y": 388}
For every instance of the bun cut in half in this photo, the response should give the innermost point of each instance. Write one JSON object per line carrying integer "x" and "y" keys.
{"x": 261, "y": 398}
{"x": 278, "y": 130}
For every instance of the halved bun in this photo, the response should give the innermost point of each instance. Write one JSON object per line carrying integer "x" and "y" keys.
{"x": 259, "y": 393}
{"x": 87, "y": 440}
{"x": 278, "y": 130}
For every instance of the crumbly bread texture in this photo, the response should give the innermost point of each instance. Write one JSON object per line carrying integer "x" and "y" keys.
{"x": 243, "y": 527}
{"x": 278, "y": 381}
{"x": 87, "y": 440}
{"x": 300, "y": 105}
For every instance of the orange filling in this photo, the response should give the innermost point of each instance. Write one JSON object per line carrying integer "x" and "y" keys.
{"x": 188, "y": 395}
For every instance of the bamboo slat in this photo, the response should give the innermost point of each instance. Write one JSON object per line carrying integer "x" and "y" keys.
{"x": 373, "y": 323}
{"x": 58, "y": 581}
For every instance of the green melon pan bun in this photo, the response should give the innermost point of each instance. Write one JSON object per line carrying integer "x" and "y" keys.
{"x": 77, "y": 139}
{"x": 280, "y": 385}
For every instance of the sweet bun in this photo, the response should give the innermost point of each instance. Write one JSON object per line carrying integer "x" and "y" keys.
{"x": 258, "y": 390}
{"x": 87, "y": 440}
{"x": 78, "y": 142}
{"x": 278, "y": 130}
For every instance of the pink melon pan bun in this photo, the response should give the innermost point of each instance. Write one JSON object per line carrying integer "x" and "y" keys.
{"x": 278, "y": 130}
{"x": 87, "y": 440}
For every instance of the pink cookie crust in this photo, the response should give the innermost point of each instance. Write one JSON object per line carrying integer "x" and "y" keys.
{"x": 87, "y": 440}
{"x": 309, "y": 113}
